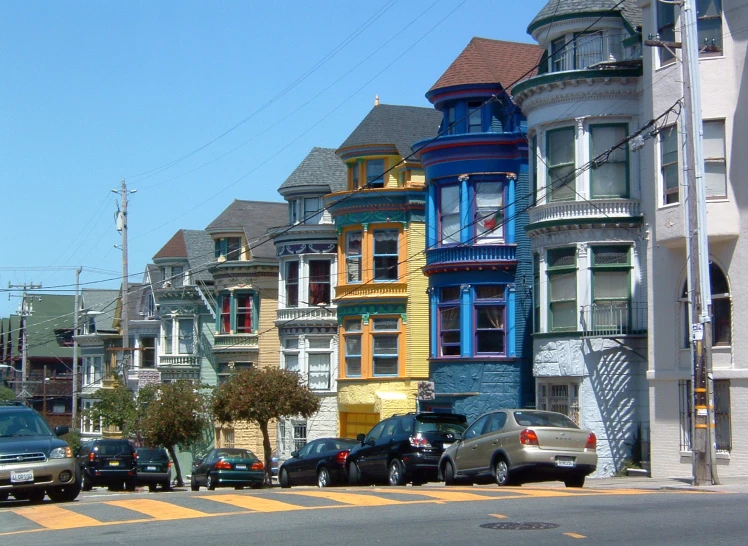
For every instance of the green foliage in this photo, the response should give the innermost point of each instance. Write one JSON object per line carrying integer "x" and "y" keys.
{"x": 115, "y": 408}
{"x": 262, "y": 395}
{"x": 73, "y": 439}
{"x": 6, "y": 393}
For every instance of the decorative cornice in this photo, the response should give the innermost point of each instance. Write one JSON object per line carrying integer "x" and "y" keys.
{"x": 306, "y": 248}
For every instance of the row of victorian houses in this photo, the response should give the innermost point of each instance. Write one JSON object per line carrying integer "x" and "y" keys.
{"x": 470, "y": 256}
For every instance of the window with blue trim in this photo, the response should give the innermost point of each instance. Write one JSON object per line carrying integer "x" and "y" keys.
{"x": 490, "y": 310}
{"x": 475, "y": 117}
{"x": 487, "y": 320}
{"x": 449, "y": 321}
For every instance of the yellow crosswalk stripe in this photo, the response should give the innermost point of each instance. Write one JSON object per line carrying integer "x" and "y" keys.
{"x": 158, "y": 509}
{"x": 257, "y": 504}
{"x": 355, "y": 499}
{"x": 54, "y": 517}
{"x": 575, "y": 535}
{"x": 443, "y": 495}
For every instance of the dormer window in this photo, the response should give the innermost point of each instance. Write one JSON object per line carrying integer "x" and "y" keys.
{"x": 312, "y": 210}
{"x": 375, "y": 173}
{"x": 229, "y": 247}
{"x": 172, "y": 276}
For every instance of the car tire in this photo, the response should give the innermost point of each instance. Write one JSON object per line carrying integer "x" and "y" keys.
{"x": 396, "y": 473}
{"x": 256, "y": 485}
{"x": 449, "y": 474}
{"x": 86, "y": 484}
{"x": 323, "y": 478}
{"x": 130, "y": 485}
{"x": 354, "y": 474}
{"x": 151, "y": 487}
{"x": 193, "y": 484}
{"x": 502, "y": 473}
{"x": 284, "y": 480}
{"x": 574, "y": 481}
{"x": 4, "y": 496}
{"x": 209, "y": 483}
{"x": 64, "y": 493}
{"x": 35, "y": 496}
{"x": 166, "y": 486}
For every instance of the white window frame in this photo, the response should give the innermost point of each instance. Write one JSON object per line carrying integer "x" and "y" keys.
{"x": 175, "y": 321}
{"x": 309, "y": 342}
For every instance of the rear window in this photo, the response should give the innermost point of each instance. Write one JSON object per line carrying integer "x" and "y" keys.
{"x": 233, "y": 453}
{"x": 113, "y": 449}
{"x": 543, "y": 419}
{"x": 447, "y": 423}
{"x": 152, "y": 454}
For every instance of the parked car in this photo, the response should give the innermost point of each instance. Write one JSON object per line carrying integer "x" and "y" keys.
{"x": 107, "y": 462}
{"x": 320, "y": 462}
{"x": 515, "y": 446}
{"x": 404, "y": 448}
{"x": 228, "y": 467}
{"x": 154, "y": 468}
{"x": 33, "y": 460}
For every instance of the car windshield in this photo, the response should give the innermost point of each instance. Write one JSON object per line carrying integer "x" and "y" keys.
{"x": 22, "y": 423}
{"x": 152, "y": 455}
{"x": 543, "y": 419}
{"x": 441, "y": 423}
{"x": 234, "y": 453}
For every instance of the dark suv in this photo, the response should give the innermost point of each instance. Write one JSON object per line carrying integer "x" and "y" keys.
{"x": 108, "y": 462}
{"x": 33, "y": 459}
{"x": 404, "y": 448}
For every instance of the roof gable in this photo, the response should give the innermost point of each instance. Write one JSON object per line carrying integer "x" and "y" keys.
{"x": 174, "y": 248}
{"x": 254, "y": 218}
{"x": 321, "y": 167}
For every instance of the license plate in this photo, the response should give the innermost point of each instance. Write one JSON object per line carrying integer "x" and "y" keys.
{"x": 150, "y": 468}
{"x": 113, "y": 463}
{"x": 240, "y": 467}
{"x": 21, "y": 477}
{"x": 567, "y": 462}
{"x": 445, "y": 445}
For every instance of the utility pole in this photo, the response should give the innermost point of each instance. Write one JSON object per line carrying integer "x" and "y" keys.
{"x": 24, "y": 311}
{"x": 703, "y": 447}
{"x": 75, "y": 350}
{"x": 124, "y": 319}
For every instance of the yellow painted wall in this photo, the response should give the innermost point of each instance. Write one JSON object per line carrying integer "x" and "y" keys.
{"x": 417, "y": 329}
{"x": 269, "y": 340}
{"x": 246, "y": 435}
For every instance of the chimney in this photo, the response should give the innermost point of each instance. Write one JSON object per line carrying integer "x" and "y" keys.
{"x": 376, "y": 100}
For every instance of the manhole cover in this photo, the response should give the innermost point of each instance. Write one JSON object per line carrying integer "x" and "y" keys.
{"x": 526, "y": 526}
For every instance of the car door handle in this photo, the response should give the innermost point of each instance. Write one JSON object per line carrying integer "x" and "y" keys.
{"x": 495, "y": 442}
{"x": 475, "y": 447}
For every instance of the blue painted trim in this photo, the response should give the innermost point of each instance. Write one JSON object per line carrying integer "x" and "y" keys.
{"x": 466, "y": 231}
{"x": 432, "y": 217}
{"x": 509, "y": 233}
{"x": 434, "y": 324}
{"x": 511, "y": 338}
{"x": 466, "y": 322}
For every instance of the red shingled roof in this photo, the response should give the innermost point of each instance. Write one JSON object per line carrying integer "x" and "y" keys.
{"x": 491, "y": 61}
{"x": 175, "y": 248}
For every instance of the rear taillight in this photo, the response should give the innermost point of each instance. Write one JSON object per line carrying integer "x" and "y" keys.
{"x": 419, "y": 441}
{"x": 135, "y": 456}
{"x": 223, "y": 465}
{"x": 258, "y": 466}
{"x": 341, "y": 457}
{"x": 168, "y": 465}
{"x": 528, "y": 437}
{"x": 591, "y": 442}
{"x": 91, "y": 456}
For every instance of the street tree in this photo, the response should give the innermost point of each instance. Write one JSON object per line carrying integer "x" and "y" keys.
{"x": 173, "y": 414}
{"x": 259, "y": 396}
{"x": 114, "y": 407}
{"x": 6, "y": 394}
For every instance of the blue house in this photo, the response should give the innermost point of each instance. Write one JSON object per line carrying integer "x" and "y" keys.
{"x": 478, "y": 258}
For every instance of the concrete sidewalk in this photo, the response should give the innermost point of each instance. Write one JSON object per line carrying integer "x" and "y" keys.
{"x": 731, "y": 485}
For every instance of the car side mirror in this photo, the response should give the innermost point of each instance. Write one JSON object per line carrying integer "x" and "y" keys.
{"x": 61, "y": 430}
{"x": 197, "y": 462}
{"x": 361, "y": 438}
{"x": 295, "y": 454}
{"x": 371, "y": 442}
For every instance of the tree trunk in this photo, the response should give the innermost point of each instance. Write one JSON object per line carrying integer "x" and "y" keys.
{"x": 180, "y": 481}
{"x": 268, "y": 453}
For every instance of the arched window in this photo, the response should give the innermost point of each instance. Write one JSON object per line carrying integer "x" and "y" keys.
{"x": 721, "y": 309}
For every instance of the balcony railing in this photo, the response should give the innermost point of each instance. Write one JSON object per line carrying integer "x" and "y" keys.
{"x": 594, "y": 208}
{"x": 179, "y": 360}
{"x": 472, "y": 253}
{"x": 613, "y": 319}
{"x": 231, "y": 342}
{"x": 307, "y": 314}
{"x": 592, "y": 49}
{"x": 375, "y": 289}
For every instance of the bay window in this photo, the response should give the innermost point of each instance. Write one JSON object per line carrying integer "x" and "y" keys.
{"x": 229, "y": 247}
{"x": 611, "y": 287}
{"x": 449, "y": 321}
{"x": 353, "y": 168}
{"x": 559, "y": 55}
{"x": 610, "y": 178}
{"x": 319, "y": 282}
{"x": 560, "y": 151}
{"x": 449, "y": 214}
{"x": 489, "y": 211}
{"x": 292, "y": 284}
{"x": 385, "y": 346}
{"x": 312, "y": 210}
{"x": 669, "y": 165}
{"x": 352, "y": 339}
{"x": 291, "y": 354}
{"x": 385, "y": 254}
{"x": 179, "y": 335}
{"x": 318, "y": 359}
{"x": 236, "y": 313}
{"x": 489, "y": 319}
{"x": 715, "y": 166}
{"x": 375, "y": 173}
{"x": 562, "y": 288}
{"x": 353, "y": 250}
{"x": 475, "y": 117}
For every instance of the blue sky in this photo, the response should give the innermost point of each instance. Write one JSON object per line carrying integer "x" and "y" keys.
{"x": 194, "y": 104}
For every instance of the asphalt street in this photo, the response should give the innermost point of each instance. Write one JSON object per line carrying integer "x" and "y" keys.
{"x": 434, "y": 514}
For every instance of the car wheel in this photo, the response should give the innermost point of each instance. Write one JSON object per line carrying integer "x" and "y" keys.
{"x": 395, "y": 474}
{"x": 210, "y": 484}
{"x": 502, "y": 473}
{"x": 64, "y": 493}
{"x": 166, "y": 486}
{"x": 35, "y": 496}
{"x": 323, "y": 478}
{"x": 284, "y": 481}
{"x": 4, "y": 496}
{"x": 354, "y": 475}
{"x": 86, "y": 484}
{"x": 574, "y": 481}
{"x": 152, "y": 487}
{"x": 449, "y": 474}
{"x": 256, "y": 485}
{"x": 193, "y": 484}
{"x": 238, "y": 487}
{"x": 131, "y": 484}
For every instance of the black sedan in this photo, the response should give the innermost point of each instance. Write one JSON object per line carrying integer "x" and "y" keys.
{"x": 320, "y": 462}
{"x": 228, "y": 467}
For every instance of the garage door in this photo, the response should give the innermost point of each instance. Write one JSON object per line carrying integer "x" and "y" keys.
{"x": 352, "y": 424}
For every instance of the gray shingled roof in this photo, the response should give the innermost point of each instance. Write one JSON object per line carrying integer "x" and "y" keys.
{"x": 100, "y": 301}
{"x": 321, "y": 167}
{"x": 560, "y": 8}
{"x": 200, "y": 252}
{"x": 154, "y": 274}
{"x": 400, "y": 126}
{"x": 255, "y": 218}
